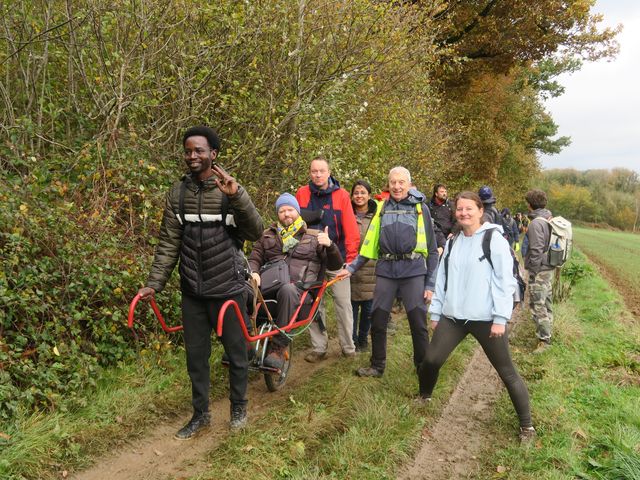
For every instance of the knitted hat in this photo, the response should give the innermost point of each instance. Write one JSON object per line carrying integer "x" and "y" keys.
{"x": 287, "y": 199}
{"x": 486, "y": 194}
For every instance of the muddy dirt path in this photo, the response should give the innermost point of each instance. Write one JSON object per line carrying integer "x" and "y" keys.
{"x": 159, "y": 456}
{"x": 454, "y": 442}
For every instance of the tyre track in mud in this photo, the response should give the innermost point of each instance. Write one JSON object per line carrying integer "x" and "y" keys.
{"x": 159, "y": 456}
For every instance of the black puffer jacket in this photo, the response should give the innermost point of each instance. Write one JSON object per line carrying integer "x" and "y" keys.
{"x": 212, "y": 264}
{"x": 442, "y": 215}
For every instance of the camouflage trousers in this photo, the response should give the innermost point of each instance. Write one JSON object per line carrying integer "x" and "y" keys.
{"x": 540, "y": 302}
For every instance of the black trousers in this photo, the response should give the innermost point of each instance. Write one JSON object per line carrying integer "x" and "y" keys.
{"x": 448, "y": 334}
{"x": 411, "y": 290}
{"x": 200, "y": 318}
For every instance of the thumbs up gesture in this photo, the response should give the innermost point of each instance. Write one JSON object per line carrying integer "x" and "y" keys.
{"x": 323, "y": 238}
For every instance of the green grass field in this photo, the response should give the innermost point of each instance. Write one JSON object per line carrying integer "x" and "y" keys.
{"x": 618, "y": 252}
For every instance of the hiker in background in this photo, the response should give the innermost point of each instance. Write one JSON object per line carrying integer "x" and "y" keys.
{"x": 518, "y": 219}
{"x": 323, "y": 198}
{"x": 401, "y": 238}
{"x": 363, "y": 281}
{"x": 492, "y": 214}
{"x": 441, "y": 213}
{"x": 513, "y": 234}
{"x": 540, "y": 272}
{"x": 474, "y": 297}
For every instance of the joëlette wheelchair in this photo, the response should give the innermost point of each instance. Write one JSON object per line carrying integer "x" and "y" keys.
{"x": 261, "y": 321}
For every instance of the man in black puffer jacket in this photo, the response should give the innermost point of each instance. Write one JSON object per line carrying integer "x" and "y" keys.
{"x": 207, "y": 217}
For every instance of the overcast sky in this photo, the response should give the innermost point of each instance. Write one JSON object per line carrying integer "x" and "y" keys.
{"x": 600, "y": 109}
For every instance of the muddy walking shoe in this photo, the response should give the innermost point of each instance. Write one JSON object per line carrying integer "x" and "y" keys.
{"x": 198, "y": 423}
{"x": 527, "y": 435}
{"x": 421, "y": 401}
{"x": 368, "y": 372}
{"x": 315, "y": 357}
{"x": 238, "y": 417}
{"x": 275, "y": 357}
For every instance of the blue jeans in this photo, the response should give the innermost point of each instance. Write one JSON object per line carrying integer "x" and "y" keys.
{"x": 361, "y": 328}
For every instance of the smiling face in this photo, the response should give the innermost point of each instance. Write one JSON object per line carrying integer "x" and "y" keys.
{"x": 468, "y": 214}
{"x": 319, "y": 172}
{"x": 287, "y": 215}
{"x": 360, "y": 197}
{"x": 199, "y": 156}
{"x": 399, "y": 185}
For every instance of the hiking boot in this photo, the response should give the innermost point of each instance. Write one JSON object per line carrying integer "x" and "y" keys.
{"x": 527, "y": 435}
{"x": 238, "y": 417}
{"x": 368, "y": 372}
{"x": 315, "y": 357}
{"x": 421, "y": 401}
{"x": 349, "y": 354}
{"x": 198, "y": 423}
{"x": 275, "y": 357}
{"x": 542, "y": 346}
{"x": 362, "y": 347}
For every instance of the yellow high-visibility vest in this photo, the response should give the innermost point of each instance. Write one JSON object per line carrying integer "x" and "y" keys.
{"x": 370, "y": 246}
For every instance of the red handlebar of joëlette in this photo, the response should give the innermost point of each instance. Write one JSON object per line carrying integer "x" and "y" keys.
{"x": 293, "y": 323}
{"x": 290, "y": 326}
{"x": 156, "y": 310}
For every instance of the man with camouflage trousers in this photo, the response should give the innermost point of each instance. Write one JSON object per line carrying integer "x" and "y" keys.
{"x": 537, "y": 263}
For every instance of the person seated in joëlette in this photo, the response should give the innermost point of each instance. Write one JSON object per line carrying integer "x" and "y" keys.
{"x": 308, "y": 254}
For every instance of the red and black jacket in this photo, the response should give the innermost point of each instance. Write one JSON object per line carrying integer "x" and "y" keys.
{"x": 338, "y": 215}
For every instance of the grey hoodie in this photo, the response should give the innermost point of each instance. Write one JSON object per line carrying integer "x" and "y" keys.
{"x": 538, "y": 236}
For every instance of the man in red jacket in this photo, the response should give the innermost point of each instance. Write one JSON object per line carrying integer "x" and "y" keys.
{"x": 325, "y": 204}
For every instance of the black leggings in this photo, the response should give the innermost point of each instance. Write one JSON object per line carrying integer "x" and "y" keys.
{"x": 446, "y": 338}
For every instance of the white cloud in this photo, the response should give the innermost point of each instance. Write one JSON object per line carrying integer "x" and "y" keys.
{"x": 600, "y": 109}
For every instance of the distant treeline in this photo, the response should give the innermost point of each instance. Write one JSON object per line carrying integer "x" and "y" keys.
{"x": 95, "y": 94}
{"x": 609, "y": 197}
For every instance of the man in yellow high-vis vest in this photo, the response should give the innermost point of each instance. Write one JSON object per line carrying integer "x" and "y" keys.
{"x": 401, "y": 237}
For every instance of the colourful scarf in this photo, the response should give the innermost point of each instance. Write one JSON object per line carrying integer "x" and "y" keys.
{"x": 287, "y": 234}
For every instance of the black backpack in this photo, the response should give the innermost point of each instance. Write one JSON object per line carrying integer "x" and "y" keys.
{"x": 494, "y": 216}
{"x": 518, "y": 295}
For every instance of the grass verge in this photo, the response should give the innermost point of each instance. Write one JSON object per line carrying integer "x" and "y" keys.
{"x": 584, "y": 393}
{"x": 127, "y": 401}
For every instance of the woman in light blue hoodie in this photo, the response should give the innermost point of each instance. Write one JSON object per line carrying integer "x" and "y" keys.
{"x": 474, "y": 295}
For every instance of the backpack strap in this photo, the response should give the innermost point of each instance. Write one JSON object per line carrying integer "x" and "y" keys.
{"x": 446, "y": 260}
{"x": 486, "y": 246}
{"x": 183, "y": 191}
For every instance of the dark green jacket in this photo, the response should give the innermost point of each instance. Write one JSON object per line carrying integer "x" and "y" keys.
{"x": 212, "y": 264}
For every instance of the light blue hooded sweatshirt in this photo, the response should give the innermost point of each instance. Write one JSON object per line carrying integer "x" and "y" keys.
{"x": 476, "y": 292}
